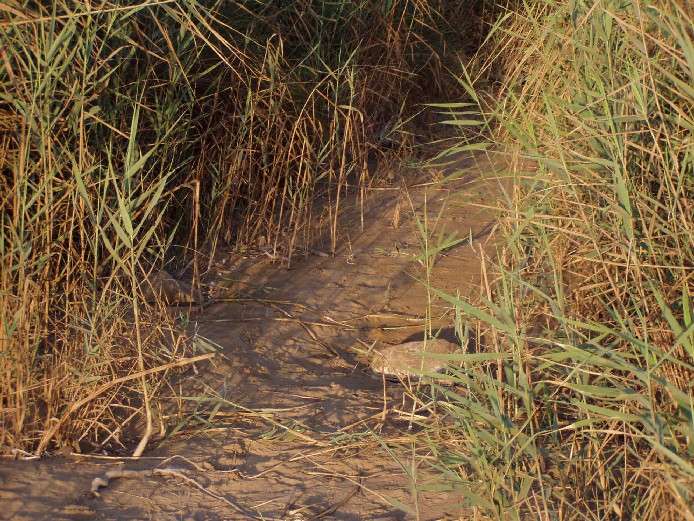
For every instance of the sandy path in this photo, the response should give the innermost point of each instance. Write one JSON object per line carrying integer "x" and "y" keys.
{"x": 309, "y": 443}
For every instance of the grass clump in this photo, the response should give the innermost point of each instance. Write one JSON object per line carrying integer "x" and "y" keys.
{"x": 587, "y": 413}
{"x": 319, "y": 91}
{"x": 96, "y": 106}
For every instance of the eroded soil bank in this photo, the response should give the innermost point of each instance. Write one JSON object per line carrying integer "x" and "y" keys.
{"x": 303, "y": 429}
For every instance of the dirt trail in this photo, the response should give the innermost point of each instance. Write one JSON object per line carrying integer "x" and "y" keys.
{"x": 301, "y": 444}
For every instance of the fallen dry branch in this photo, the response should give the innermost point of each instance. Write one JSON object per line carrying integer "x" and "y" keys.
{"x": 103, "y": 482}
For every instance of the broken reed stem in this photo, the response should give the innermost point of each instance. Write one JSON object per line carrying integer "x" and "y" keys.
{"x": 143, "y": 381}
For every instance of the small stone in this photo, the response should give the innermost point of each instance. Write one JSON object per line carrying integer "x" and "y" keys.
{"x": 409, "y": 359}
{"x": 164, "y": 286}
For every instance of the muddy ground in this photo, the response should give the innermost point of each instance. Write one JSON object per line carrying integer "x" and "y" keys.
{"x": 303, "y": 429}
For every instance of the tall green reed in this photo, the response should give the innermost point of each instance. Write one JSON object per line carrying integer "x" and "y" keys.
{"x": 100, "y": 122}
{"x": 586, "y": 411}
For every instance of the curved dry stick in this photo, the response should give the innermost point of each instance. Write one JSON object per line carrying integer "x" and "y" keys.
{"x": 343, "y": 502}
{"x": 105, "y": 480}
{"x": 179, "y": 363}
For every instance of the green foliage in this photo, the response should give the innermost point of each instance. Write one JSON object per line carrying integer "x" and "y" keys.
{"x": 86, "y": 165}
{"x": 587, "y": 411}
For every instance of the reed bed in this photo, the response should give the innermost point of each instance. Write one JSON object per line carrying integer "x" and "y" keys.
{"x": 585, "y": 410}
{"x": 137, "y": 136}
{"x": 95, "y": 114}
